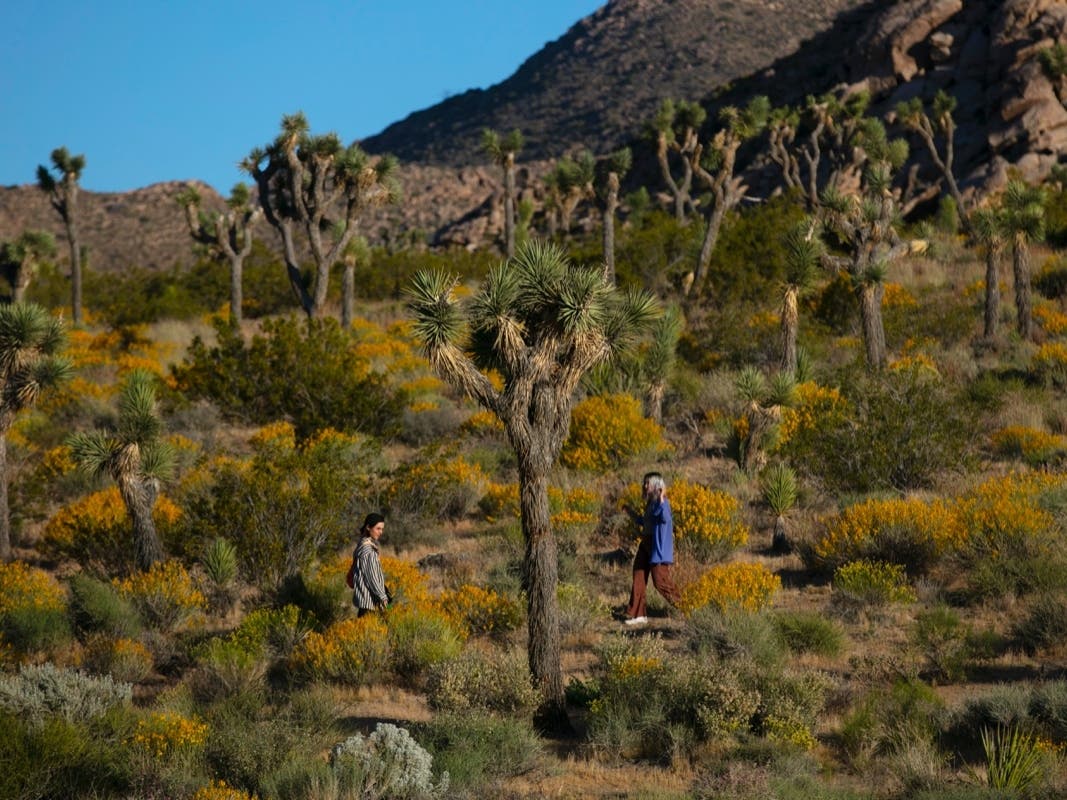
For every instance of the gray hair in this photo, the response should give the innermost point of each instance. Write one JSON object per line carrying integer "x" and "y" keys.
{"x": 655, "y": 482}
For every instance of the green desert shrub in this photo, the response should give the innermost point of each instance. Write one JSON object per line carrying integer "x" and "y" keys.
{"x": 228, "y": 666}
{"x": 808, "y": 632}
{"x": 487, "y": 680}
{"x": 1005, "y": 706}
{"x": 252, "y": 381}
{"x": 434, "y": 486}
{"x": 97, "y": 607}
{"x": 944, "y": 641}
{"x": 887, "y": 720}
{"x": 1044, "y": 625}
{"x": 790, "y": 705}
{"x": 37, "y": 692}
{"x": 219, "y": 562}
{"x": 244, "y": 745}
{"x": 124, "y": 660}
{"x": 866, "y": 585}
{"x": 475, "y": 748}
{"x": 419, "y": 638}
{"x": 734, "y": 634}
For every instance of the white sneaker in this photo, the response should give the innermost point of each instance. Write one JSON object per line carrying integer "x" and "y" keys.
{"x": 635, "y": 621}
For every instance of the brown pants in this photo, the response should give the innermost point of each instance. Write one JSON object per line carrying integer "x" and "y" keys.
{"x": 661, "y": 578}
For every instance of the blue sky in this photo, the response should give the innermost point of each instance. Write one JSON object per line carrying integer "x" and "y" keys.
{"x": 156, "y": 90}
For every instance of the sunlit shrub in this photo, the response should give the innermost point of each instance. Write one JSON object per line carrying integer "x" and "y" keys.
{"x": 477, "y": 680}
{"x": 483, "y": 423}
{"x": 1052, "y": 321}
{"x": 162, "y": 733}
{"x": 33, "y": 613}
{"x": 863, "y": 584}
{"x": 386, "y": 764}
{"x": 437, "y": 488}
{"x": 421, "y": 635}
{"x": 905, "y": 531}
{"x": 37, "y": 692}
{"x": 405, "y": 581}
{"x": 790, "y": 705}
{"x": 817, "y": 408}
{"x": 1032, "y": 446}
{"x": 728, "y": 586}
{"x": 707, "y": 523}
{"x": 351, "y": 652}
{"x": 483, "y": 612}
{"x": 474, "y": 748}
{"x": 607, "y": 432}
{"x": 500, "y": 501}
{"x": 1049, "y": 364}
{"x": 96, "y": 529}
{"x": 218, "y": 790}
{"x": 165, "y": 595}
{"x": 125, "y": 660}
{"x": 1003, "y": 516}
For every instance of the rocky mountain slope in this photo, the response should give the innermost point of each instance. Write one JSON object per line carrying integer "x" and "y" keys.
{"x": 600, "y": 83}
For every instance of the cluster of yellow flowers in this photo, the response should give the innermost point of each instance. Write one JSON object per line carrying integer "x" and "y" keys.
{"x": 997, "y": 511}
{"x": 874, "y": 582}
{"x": 405, "y": 580}
{"x": 897, "y": 296}
{"x": 164, "y": 732}
{"x": 919, "y": 362}
{"x": 166, "y": 593}
{"x": 218, "y": 790}
{"x": 23, "y": 587}
{"x": 500, "y": 501}
{"x": 275, "y": 435}
{"x": 436, "y": 479}
{"x": 1050, "y": 363}
{"x": 791, "y": 731}
{"x": 764, "y": 323}
{"x": 482, "y": 423}
{"x": 706, "y": 520}
{"x": 124, "y": 659}
{"x": 607, "y": 431}
{"x": 634, "y": 666}
{"x": 482, "y": 612}
{"x": 347, "y": 651}
{"x": 815, "y": 404}
{"x": 1028, "y": 443}
{"x": 740, "y": 584}
{"x": 99, "y": 520}
{"x": 1053, "y": 321}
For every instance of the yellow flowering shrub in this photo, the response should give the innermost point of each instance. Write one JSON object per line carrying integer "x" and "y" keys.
{"x": 920, "y": 362}
{"x": 23, "y": 587}
{"x": 871, "y": 583}
{"x": 740, "y": 585}
{"x": 905, "y": 531}
{"x": 95, "y": 529}
{"x": 440, "y": 487}
{"x": 816, "y": 407}
{"x": 218, "y": 790}
{"x": 405, "y": 580}
{"x": 482, "y": 612}
{"x": 896, "y": 296}
{"x": 1031, "y": 445}
{"x": 351, "y": 652}
{"x": 1002, "y": 516}
{"x": 165, "y": 595}
{"x": 1049, "y": 364}
{"x": 482, "y": 423}
{"x": 163, "y": 733}
{"x": 500, "y": 501}
{"x": 125, "y": 660}
{"x": 608, "y": 431}
{"x": 707, "y": 523}
{"x": 1053, "y": 321}
{"x": 33, "y": 615}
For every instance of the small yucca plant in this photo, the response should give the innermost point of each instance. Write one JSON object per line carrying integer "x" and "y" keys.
{"x": 219, "y": 561}
{"x": 1013, "y": 760}
{"x": 779, "y": 487}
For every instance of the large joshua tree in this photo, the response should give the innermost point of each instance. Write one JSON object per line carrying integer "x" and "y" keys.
{"x": 542, "y": 323}
{"x": 227, "y": 233}
{"x": 315, "y": 184}
{"x": 676, "y": 128}
{"x": 610, "y": 170}
{"x": 31, "y": 342}
{"x": 22, "y": 255}
{"x": 1023, "y": 217}
{"x": 135, "y": 456}
{"x": 713, "y": 166}
{"x": 62, "y": 190}
{"x": 569, "y": 183}
{"x": 502, "y": 150}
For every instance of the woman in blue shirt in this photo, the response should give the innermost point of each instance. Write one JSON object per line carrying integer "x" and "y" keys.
{"x": 655, "y": 552}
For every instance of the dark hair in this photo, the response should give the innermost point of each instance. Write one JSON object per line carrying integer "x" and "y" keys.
{"x": 371, "y": 520}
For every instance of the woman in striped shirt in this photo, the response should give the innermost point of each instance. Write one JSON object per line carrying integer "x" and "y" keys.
{"x": 365, "y": 574}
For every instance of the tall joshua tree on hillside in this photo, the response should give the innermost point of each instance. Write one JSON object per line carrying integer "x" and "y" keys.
{"x": 610, "y": 170}
{"x": 714, "y": 167}
{"x": 30, "y": 363}
{"x": 62, "y": 190}
{"x": 676, "y": 128}
{"x": 229, "y": 234}
{"x": 317, "y": 185}
{"x": 503, "y": 149}
{"x": 803, "y": 257}
{"x": 1024, "y": 222}
{"x": 987, "y": 226}
{"x": 21, "y": 258}
{"x": 866, "y": 225}
{"x": 542, "y": 323}
{"x": 134, "y": 456}
{"x": 569, "y": 183}
{"x": 939, "y": 119}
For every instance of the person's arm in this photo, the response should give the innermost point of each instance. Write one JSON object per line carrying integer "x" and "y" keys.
{"x": 662, "y": 534}
{"x": 370, "y": 566}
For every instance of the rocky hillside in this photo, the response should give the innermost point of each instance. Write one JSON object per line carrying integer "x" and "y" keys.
{"x": 600, "y": 83}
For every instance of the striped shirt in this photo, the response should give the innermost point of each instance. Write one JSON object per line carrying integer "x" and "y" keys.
{"x": 369, "y": 591}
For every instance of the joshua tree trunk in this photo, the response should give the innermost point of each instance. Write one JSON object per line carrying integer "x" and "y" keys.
{"x": 790, "y": 323}
{"x": 870, "y": 296}
{"x": 5, "y": 522}
{"x": 1020, "y": 261}
{"x": 611, "y": 203}
{"x": 780, "y": 537}
{"x": 509, "y": 206}
{"x": 992, "y": 290}
{"x": 348, "y": 294}
{"x": 75, "y": 271}
{"x": 711, "y": 235}
{"x": 541, "y": 579}
{"x": 148, "y": 548}
{"x": 22, "y": 283}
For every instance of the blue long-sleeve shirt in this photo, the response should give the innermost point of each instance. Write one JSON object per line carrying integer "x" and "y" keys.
{"x": 659, "y": 531}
